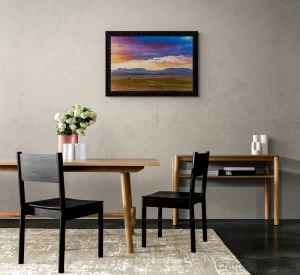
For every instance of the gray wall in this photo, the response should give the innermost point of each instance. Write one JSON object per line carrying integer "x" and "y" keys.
{"x": 52, "y": 55}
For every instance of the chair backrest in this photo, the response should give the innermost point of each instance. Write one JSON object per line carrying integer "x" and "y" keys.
{"x": 40, "y": 168}
{"x": 200, "y": 168}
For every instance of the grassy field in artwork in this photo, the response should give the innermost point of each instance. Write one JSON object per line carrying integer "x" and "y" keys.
{"x": 151, "y": 83}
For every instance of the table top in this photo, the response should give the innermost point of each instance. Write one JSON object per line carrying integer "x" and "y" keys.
{"x": 101, "y": 162}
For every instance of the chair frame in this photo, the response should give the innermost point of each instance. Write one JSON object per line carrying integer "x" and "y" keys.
{"x": 200, "y": 168}
{"x": 62, "y": 213}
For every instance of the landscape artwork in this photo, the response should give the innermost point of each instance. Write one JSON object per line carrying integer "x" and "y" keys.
{"x": 153, "y": 64}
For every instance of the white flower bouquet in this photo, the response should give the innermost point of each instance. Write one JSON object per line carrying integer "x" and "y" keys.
{"x": 75, "y": 121}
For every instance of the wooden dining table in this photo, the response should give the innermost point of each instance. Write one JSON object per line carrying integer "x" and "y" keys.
{"x": 122, "y": 166}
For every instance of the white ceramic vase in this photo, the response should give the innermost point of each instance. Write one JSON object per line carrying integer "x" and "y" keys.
{"x": 259, "y": 145}
{"x": 255, "y": 148}
{"x": 264, "y": 144}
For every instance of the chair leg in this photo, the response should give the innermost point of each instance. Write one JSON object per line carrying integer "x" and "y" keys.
{"x": 62, "y": 233}
{"x": 144, "y": 217}
{"x": 100, "y": 233}
{"x": 159, "y": 222}
{"x": 21, "y": 238}
{"x": 204, "y": 221}
{"x": 192, "y": 230}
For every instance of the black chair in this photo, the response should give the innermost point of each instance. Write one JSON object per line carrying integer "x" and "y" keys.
{"x": 182, "y": 200}
{"x": 49, "y": 168}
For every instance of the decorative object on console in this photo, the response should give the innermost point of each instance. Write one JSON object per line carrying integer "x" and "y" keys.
{"x": 213, "y": 173}
{"x": 152, "y": 63}
{"x": 239, "y": 168}
{"x": 255, "y": 148}
{"x": 264, "y": 144}
{"x": 73, "y": 123}
{"x": 256, "y": 138}
{"x": 237, "y": 172}
{"x": 259, "y": 145}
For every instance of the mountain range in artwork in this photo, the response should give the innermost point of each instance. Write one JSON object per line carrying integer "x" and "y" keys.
{"x": 141, "y": 71}
{"x": 151, "y": 63}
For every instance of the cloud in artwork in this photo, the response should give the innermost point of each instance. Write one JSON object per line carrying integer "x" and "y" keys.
{"x": 158, "y": 63}
{"x": 151, "y": 52}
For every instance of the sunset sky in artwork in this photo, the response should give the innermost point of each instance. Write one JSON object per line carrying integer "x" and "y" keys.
{"x": 151, "y": 52}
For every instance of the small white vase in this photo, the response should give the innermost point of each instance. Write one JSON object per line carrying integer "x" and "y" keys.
{"x": 80, "y": 151}
{"x": 68, "y": 151}
{"x": 264, "y": 144}
{"x": 255, "y": 138}
{"x": 255, "y": 148}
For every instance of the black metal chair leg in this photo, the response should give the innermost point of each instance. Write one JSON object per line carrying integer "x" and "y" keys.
{"x": 204, "y": 221}
{"x": 192, "y": 230}
{"x": 62, "y": 233}
{"x": 159, "y": 222}
{"x": 21, "y": 238}
{"x": 100, "y": 233}
{"x": 144, "y": 217}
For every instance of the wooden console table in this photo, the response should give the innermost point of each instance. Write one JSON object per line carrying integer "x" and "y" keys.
{"x": 122, "y": 166}
{"x": 266, "y": 159}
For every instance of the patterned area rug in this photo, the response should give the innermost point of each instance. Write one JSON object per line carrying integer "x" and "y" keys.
{"x": 167, "y": 255}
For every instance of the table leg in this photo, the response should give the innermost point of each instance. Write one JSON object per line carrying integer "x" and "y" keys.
{"x": 276, "y": 190}
{"x": 125, "y": 183}
{"x": 175, "y": 184}
{"x": 133, "y": 219}
{"x": 132, "y": 209}
{"x": 267, "y": 191}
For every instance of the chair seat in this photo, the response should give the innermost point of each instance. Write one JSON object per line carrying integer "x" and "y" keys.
{"x": 169, "y": 199}
{"x": 55, "y": 203}
{"x": 172, "y": 195}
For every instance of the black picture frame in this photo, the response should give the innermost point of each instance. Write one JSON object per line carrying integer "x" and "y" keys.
{"x": 193, "y": 34}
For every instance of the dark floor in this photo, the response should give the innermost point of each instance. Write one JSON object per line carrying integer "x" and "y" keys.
{"x": 261, "y": 247}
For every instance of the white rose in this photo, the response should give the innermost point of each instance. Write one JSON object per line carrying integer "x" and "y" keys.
{"x": 83, "y": 125}
{"x": 84, "y": 115}
{"x": 56, "y": 117}
{"x": 77, "y": 113}
{"x": 77, "y": 107}
{"x": 62, "y": 118}
{"x": 93, "y": 115}
{"x": 80, "y": 132}
{"x": 61, "y": 125}
{"x": 69, "y": 120}
{"x": 72, "y": 127}
{"x": 91, "y": 122}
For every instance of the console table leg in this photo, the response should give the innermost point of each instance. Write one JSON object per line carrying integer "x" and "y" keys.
{"x": 267, "y": 191}
{"x": 175, "y": 184}
{"x": 276, "y": 191}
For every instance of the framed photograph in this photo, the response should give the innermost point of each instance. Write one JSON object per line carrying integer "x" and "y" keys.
{"x": 152, "y": 63}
